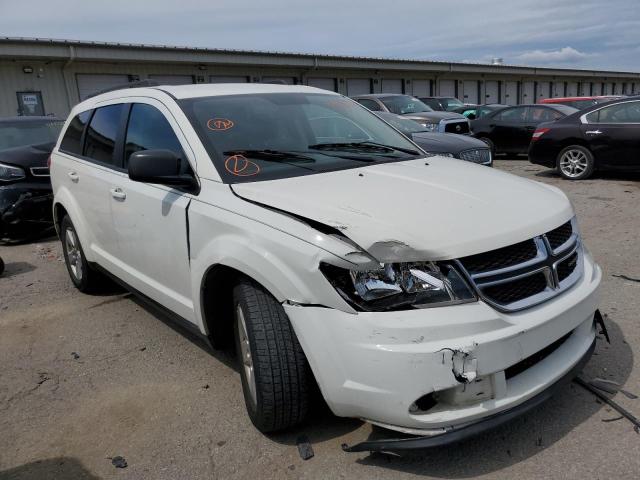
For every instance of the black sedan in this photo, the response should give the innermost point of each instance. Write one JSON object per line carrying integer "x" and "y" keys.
{"x": 601, "y": 137}
{"x": 509, "y": 130}
{"x": 25, "y": 186}
{"x": 462, "y": 147}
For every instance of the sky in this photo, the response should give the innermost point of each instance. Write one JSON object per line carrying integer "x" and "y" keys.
{"x": 593, "y": 34}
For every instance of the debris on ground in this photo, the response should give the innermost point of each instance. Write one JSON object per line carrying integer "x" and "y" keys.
{"x": 119, "y": 462}
{"x": 612, "y": 387}
{"x": 47, "y": 252}
{"x": 75, "y": 355}
{"x": 626, "y": 277}
{"x": 205, "y": 386}
{"x": 221, "y": 443}
{"x": 619, "y": 408}
{"x": 304, "y": 447}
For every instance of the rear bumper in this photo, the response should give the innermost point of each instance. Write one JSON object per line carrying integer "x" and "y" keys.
{"x": 543, "y": 152}
{"x": 463, "y": 432}
{"x": 25, "y": 208}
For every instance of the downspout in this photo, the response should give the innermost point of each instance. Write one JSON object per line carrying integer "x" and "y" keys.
{"x": 67, "y": 86}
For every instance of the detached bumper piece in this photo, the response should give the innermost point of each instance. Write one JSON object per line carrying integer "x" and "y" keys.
{"x": 465, "y": 431}
{"x": 25, "y": 210}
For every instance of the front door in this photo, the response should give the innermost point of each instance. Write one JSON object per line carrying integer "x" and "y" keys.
{"x": 151, "y": 220}
{"x": 507, "y": 129}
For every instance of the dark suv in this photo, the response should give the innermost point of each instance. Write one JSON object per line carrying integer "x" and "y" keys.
{"x": 413, "y": 109}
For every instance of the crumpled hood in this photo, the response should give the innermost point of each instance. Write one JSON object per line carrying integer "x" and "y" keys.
{"x": 428, "y": 209}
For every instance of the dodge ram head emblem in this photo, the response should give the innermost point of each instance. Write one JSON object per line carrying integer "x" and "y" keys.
{"x": 458, "y": 128}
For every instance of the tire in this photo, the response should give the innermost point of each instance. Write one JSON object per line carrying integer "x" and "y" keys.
{"x": 575, "y": 162}
{"x": 1, "y": 265}
{"x": 85, "y": 278}
{"x": 276, "y": 378}
{"x": 491, "y": 145}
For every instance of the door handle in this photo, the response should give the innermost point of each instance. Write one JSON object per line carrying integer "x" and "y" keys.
{"x": 73, "y": 176}
{"x": 118, "y": 194}
{"x": 593, "y": 132}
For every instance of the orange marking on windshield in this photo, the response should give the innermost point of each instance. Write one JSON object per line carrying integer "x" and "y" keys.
{"x": 240, "y": 166}
{"x": 219, "y": 124}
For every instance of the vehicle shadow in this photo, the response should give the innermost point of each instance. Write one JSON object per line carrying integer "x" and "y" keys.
{"x": 13, "y": 269}
{"x": 60, "y": 468}
{"x": 525, "y": 436}
{"x": 40, "y": 236}
{"x": 599, "y": 175}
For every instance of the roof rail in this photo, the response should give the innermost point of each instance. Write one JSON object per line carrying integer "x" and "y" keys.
{"x": 137, "y": 84}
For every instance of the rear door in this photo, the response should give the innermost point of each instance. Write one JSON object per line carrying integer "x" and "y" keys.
{"x": 150, "y": 220}
{"x": 613, "y": 134}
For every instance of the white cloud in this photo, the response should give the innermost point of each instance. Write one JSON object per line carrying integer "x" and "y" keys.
{"x": 563, "y": 55}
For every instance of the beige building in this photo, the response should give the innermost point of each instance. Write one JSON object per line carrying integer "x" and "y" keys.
{"x": 39, "y": 76}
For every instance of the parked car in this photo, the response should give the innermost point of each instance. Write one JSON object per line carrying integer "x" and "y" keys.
{"x": 319, "y": 237}
{"x": 25, "y": 188}
{"x": 413, "y": 109}
{"x": 579, "y": 102}
{"x": 476, "y": 112}
{"x": 462, "y": 147}
{"x": 601, "y": 137}
{"x": 445, "y": 104}
{"x": 509, "y": 130}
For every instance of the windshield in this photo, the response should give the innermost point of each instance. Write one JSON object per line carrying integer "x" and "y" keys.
{"x": 405, "y": 125}
{"x": 279, "y": 135}
{"x": 579, "y": 104}
{"x": 404, "y": 104}
{"x": 451, "y": 103}
{"x": 21, "y": 133}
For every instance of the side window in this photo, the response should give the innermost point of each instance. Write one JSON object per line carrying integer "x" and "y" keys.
{"x": 628, "y": 112}
{"x": 148, "y": 129}
{"x": 593, "y": 117}
{"x": 541, "y": 114}
{"x": 71, "y": 141}
{"x": 370, "y": 104}
{"x": 511, "y": 115}
{"x": 101, "y": 135}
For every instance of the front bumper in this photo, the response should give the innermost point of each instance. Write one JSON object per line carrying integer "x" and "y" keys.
{"x": 25, "y": 209}
{"x": 376, "y": 366}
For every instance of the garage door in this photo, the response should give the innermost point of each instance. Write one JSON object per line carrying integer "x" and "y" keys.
{"x": 511, "y": 93}
{"x": 491, "y": 92}
{"x": 358, "y": 86}
{"x": 447, "y": 88}
{"x": 470, "y": 91}
{"x": 543, "y": 90}
{"x": 172, "y": 79}
{"x": 607, "y": 88}
{"x": 227, "y": 79}
{"x": 391, "y": 85}
{"x": 572, "y": 89}
{"x": 421, "y": 88}
{"x": 585, "y": 89}
{"x": 324, "y": 83}
{"x": 528, "y": 93}
{"x": 558, "y": 90}
{"x": 285, "y": 80}
{"x": 89, "y": 84}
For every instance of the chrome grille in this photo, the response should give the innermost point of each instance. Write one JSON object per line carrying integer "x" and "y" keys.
{"x": 476, "y": 155}
{"x": 527, "y": 273}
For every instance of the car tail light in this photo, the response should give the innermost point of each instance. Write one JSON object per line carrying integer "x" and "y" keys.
{"x": 538, "y": 133}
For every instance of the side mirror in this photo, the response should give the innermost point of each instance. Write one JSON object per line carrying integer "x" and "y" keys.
{"x": 159, "y": 166}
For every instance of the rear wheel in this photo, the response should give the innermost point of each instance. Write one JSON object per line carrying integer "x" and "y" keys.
{"x": 575, "y": 162}
{"x": 276, "y": 378}
{"x": 491, "y": 145}
{"x": 82, "y": 275}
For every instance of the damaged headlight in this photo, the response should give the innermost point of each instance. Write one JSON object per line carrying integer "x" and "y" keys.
{"x": 9, "y": 172}
{"x": 398, "y": 286}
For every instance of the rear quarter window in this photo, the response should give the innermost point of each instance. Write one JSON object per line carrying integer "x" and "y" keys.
{"x": 101, "y": 134}
{"x": 72, "y": 139}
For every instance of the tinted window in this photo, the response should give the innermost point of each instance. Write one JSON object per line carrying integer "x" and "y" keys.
{"x": 541, "y": 114}
{"x": 148, "y": 129}
{"x": 511, "y": 115}
{"x": 21, "y": 133}
{"x": 404, "y": 104}
{"x": 432, "y": 102}
{"x": 628, "y": 112}
{"x": 101, "y": 134}
{"x": 370, "y": 104}
{"x": 73, "y": 136}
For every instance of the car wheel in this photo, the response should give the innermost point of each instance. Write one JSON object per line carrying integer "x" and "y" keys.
{"x": 276, "y": 378}
{"x": 491, "y": 145}
{"x": 575, "y": 163}
{"x": 82, "y": 275}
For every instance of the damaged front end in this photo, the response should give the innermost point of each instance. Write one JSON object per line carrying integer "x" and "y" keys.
{"x": 25, "y": 210}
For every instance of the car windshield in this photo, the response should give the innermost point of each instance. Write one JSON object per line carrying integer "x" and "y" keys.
{"x": 21, "y": 133}
{"x": 451, "y": 103}
{"x": 404, "y": 104}
{"x": 405, "y": 125}
{"x": 270, "y": 136}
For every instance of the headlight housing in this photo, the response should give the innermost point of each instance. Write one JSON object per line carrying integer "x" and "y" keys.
{"x": 400, "y": 286}
{"x": 9, "y": 173}
{"x": 432, "y": 127}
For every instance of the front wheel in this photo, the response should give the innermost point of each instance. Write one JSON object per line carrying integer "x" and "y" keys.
{"x": 276, "y": 378}
{"x": 575, "y": 163}
{"x": 82, "y": 275}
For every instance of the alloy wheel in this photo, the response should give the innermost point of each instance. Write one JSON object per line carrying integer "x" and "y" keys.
{"x": 573, "y": 163}
{"x": 73, "y": 254}
{"x": 245, "y": 351}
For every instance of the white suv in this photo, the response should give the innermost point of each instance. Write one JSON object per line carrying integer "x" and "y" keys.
{"x": 423, "y": 294}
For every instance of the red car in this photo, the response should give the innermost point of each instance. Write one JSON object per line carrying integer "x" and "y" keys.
{"x": 580, "y": 102}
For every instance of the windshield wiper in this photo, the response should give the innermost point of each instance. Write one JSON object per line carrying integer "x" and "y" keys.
{"x": 366, "y": 145}
{"x": 268, "y": 155}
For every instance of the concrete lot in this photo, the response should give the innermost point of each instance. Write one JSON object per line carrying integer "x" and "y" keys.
{"x": 84, "y": 378}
